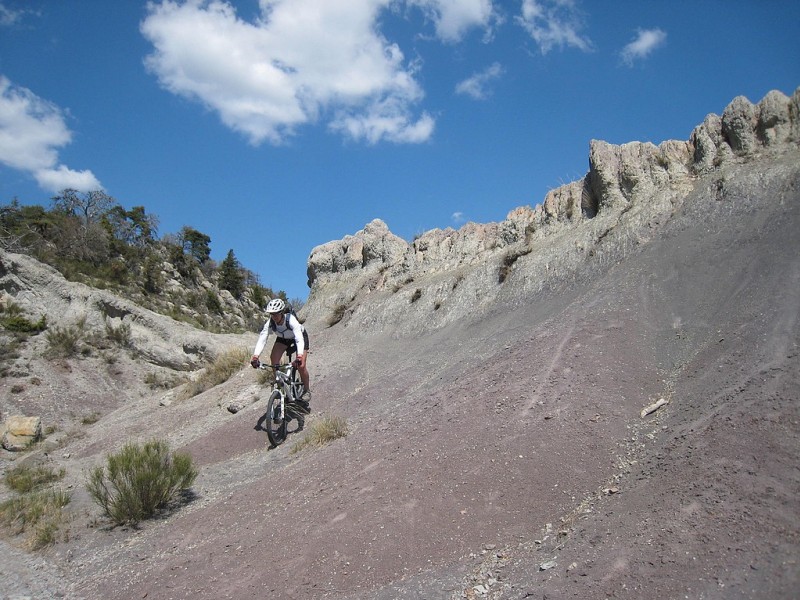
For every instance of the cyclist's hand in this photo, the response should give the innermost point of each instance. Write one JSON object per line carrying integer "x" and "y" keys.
{"x": 301, "y": 361}
{"x": 254, "y": 362}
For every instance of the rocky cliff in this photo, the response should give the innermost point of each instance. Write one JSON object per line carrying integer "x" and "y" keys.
{"x": 374, "y": 278}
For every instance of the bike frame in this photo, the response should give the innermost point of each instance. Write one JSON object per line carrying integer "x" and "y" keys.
{"x": 288, "y": 390}
{"x": 284, "y": 383}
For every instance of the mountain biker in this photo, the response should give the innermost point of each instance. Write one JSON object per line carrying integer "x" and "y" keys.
{"x": 290, "y": 336}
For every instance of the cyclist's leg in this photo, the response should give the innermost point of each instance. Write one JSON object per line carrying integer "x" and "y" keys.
{"x": 278, "y": 351}
{"x": 304, "y": 374}
{"x": 304, "y": 377}
{"x": 292, "y": 349}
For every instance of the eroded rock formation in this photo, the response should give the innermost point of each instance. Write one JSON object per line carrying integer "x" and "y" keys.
{"x": 628, "y": 189}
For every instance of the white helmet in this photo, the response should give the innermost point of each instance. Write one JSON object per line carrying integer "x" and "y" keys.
{"x": 276, "y": 305}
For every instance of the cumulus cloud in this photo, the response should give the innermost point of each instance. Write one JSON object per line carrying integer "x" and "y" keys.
{"x": 475, "y": 86}
{"x": 554, "y": 23}
{"x": 453, "y": 18}
{"x": 646, "y": 41}
{"x": 300, "y": 62}
{"x": 31, "y": 132}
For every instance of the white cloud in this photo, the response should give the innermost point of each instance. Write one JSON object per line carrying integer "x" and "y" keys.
{"x": 475, "y": 86}
{"x": 301, "y": 62}
{"x": 31, "y": 131}
{"x": 61, "y": 178}
{"x": 452, "y": 18}
{"x": 554, "y": 23}
{"x": 457, "y": 217}
{"x": 9, "y": 16}
{"x": 646, "y": 41}
{"x": 387, "y": 120}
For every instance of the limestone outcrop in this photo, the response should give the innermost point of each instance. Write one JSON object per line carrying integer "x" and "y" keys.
{"x": 628, "y": 189}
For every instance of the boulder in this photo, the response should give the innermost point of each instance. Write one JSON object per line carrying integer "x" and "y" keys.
{"x": 20, "y": 432}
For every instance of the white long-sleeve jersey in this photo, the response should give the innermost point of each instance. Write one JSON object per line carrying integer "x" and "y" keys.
{"x": 290, "y": 329}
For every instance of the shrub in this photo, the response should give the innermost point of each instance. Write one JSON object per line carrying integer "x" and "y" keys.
{"x": 24, "y": 479}
{"x": 9, "y": 350}
{"x": 90, "y": 419}
{"x": 120, "y": 335}
{"x": 416, "y": 295}
{"x": 140, "y": 480}
{"x": 38, "y": 513}
{"x": 259, "y": 295}
{"x": 153, "y": 280}
{"x": 156, "y": 381}
{"x": 213, "y": 302}
{"x": 219, "y": 371}
{"x": 321, "y": 432}
{"x": 65, "y": 341}
{"x": 399, "y": 285}
{"x": 19, "y": 324}
{"x": 508, "y": 261}
{"x": 34, "y": 510}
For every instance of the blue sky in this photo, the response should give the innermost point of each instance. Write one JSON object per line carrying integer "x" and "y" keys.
{"x": 279, "y": 125}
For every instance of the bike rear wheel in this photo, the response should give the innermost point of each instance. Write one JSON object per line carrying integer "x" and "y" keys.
{"x": 276, "y": 420}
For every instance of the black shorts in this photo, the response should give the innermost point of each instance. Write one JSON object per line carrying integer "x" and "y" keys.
{"x": 291, "y": 347}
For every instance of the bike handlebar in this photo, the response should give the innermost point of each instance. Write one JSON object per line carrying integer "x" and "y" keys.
{"x": 276, "y": 367}
{"x": 261, "y": 365}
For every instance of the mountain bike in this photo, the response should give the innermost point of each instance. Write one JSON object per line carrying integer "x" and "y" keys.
{"x": 284, "y": 404}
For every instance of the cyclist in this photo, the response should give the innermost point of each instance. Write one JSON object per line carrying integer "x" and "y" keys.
{"x": 290, "y": 335}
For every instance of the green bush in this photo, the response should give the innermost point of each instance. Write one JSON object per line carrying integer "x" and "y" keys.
{"x": 213, "y": 302}
{"x": 140, "y": 480}
{"x": 19, "y": 324}
{"x": 258, "y": 294}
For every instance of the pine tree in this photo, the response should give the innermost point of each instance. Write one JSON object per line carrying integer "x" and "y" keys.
{"x": 231, "y": 277}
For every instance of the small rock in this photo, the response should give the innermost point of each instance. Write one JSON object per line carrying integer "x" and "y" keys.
{"x": 547, "y": 565}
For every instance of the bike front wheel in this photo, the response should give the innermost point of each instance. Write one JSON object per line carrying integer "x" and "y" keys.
{"x": 276, "y": 421}
{"x": 297, "y": 384}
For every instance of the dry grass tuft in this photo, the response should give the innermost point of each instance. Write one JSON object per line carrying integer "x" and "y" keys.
{"x": 222, "y": 369}
{"x": 321, "y": 432}
{"x": 35, "y": 511}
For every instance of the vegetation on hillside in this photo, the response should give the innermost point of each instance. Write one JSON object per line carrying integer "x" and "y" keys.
{"x": 36, "y": 510}
{"x": 90, "y": 238}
